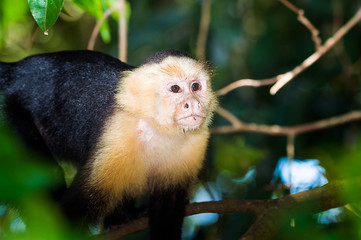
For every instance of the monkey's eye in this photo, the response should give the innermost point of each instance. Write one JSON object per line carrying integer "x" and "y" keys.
{"x": 195, "y": 87}
{"x": 175, "y": 89}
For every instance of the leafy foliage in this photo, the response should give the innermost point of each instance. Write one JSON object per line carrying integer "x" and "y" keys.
{"x": 10, "y": 15}
{"x": 24, "y": 179}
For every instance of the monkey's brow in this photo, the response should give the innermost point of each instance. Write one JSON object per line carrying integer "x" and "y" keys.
{"x": 163, "y": 69}
{"x": 168, "y": 69}
{"x": 174, "y": 70}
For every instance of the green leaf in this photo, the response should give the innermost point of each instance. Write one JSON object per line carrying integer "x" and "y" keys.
{"x": 355, "y": 208}
{"x": 96, "y": 8}
{"x": 45, "y": 12}
{"x": 11, "y": 11}
{"x": 105, "y": 32}
{"x": 93, "y": 7}
{"x": 115, "y": 14}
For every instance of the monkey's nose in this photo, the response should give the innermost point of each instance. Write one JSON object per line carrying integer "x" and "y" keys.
{"x": 192, "y": 105}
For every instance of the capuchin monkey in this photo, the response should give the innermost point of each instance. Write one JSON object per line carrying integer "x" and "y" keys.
{"x": 131, "y": 132}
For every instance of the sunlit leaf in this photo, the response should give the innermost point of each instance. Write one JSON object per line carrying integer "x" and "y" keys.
{"x": 96, "y": 9}
{"x": 93, "y": 7}
{"x": 105, "y": 32}
{"x": 10, "y": 14}
{"x": 45, "y": 12}
{"x": 355, "y": 208}
{"x": 115, "y": 14}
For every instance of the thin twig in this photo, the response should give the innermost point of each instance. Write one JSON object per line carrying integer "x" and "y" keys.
{"x": 247, "y": 83}
{"x": 281, "y": 79}
{"x": 307, "y": 23}
{"x": 97, "y": 26}
{"x": 290, "y": 6}
{"x": 229, "y": 116}
{"x": 203, "y": 29}
{"x": 277, "y": 130}
{"x": 122, "y": 31}
{"x": 316, "y": 55}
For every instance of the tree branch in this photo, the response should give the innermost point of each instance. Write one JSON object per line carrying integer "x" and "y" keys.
{"x": 247, "y": 83}
{"x": 265, "y": 227}
{"x": 318, "y": 54}
{"x": 203, "y": 29}
{"x": 230, "y": 117}
{"x": 307, "y": 23}
{"x": 280, "y": 80}
{"x": 284, "y": 131}
{"x": 122, "y": 31}
{"x": 315, "y": 200}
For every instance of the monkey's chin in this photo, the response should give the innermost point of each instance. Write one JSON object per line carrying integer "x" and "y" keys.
{"x": 191, "y": 122}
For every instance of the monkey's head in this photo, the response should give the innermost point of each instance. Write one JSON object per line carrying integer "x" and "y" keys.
{"x": 172, "y": 89}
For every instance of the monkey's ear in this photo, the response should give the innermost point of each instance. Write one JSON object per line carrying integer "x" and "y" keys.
{"x": 209, "y": 67}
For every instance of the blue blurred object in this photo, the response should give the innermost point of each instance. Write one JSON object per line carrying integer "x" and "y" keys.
{"x": 302, "y": 175}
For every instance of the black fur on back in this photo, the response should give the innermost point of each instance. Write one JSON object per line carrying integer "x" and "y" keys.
{"x": 4, "y": 79}
{"x": 64, "y": 98}
{"x": 161, "y": 55}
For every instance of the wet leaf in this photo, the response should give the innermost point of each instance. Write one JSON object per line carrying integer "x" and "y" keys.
{"x": 45, "y": 12}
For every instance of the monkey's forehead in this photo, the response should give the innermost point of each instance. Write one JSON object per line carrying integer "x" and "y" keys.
{"x": 177, "y": 67}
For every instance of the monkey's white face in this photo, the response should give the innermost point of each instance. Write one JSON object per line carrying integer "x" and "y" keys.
{"x": 176, "y": 93}
{"x": 184, "y": 102}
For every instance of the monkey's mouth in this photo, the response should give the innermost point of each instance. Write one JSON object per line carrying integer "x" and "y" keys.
{"x": 190, "y": 121}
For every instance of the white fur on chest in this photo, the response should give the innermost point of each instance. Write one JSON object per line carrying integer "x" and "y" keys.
{"x": 158, "y": 148}
{"x": 146, "y": 133}
{"x": 170, "y": 154}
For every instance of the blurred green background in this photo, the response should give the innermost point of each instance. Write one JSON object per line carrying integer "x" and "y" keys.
{"x": 246, "y": 39}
